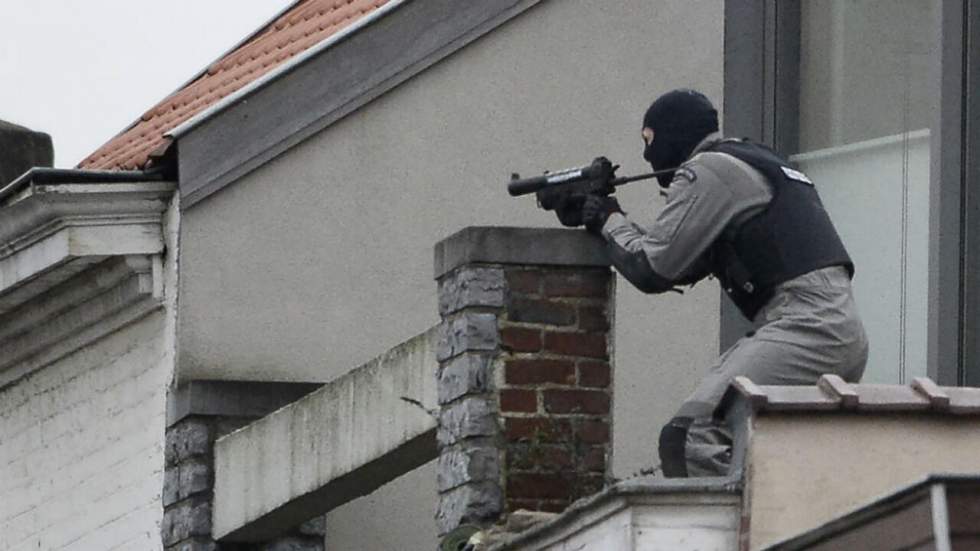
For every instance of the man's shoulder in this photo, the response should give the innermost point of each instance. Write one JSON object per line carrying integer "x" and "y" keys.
{"x": 717, "y": 162}
{"x": 713, "y": 167}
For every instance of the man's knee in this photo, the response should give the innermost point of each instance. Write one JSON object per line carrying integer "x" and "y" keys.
{"x": 673, "y": 440}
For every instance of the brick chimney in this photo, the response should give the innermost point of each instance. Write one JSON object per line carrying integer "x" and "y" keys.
{"x": 525, "y": 374}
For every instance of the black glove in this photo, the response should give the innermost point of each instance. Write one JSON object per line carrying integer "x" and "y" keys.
{"x": 569, "y": 210}
{"x": 596, "y": 210}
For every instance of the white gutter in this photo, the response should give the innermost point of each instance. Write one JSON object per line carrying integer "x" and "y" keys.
{"x": 289, "y": 65}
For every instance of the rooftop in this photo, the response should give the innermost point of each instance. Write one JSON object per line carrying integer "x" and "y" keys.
{"x": 300, "y": 27}
{"x": 831, "y": 393}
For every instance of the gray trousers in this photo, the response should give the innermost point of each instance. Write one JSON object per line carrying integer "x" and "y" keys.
{"x": 809, "y": 328}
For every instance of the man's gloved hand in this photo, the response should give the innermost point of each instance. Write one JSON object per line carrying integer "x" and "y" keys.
{"x": 596, "y": 210}
{"x": 569, "y": 210}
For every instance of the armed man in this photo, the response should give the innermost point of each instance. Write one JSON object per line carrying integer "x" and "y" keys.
{"x": 738, "y": 212}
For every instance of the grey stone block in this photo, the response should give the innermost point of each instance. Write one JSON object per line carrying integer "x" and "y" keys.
{"x": 314, "y": 527}
{"x": 166, "y": 528}
{"x": 466, "y": 374}
{"x": 194, "y": 477}
{"x": 471, "y": 286}
{"x": 196, "y": 544}
{"x": 186, "y": 519}
{"x": 171, "y": 486}
{"x": 529, "y": 246}
{"x": 293, "y": 543}
{"x": 468, "y": 463}
{"x": 480, "y": 503}
{"x": 474, "y": 416}
{"x": 192, "y": 436}
{"x": 471, "y": 332}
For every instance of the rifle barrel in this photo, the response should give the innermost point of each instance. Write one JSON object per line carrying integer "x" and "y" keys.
{"x": 647, "y": 176}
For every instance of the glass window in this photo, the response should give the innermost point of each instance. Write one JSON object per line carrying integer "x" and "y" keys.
{"x": 868, "y": 103}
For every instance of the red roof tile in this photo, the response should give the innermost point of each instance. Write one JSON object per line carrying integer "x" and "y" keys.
{"x": 304, "y": 25}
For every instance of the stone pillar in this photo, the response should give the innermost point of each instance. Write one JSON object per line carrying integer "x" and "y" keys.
{"x": 525, "y": 377}
{"x": 198, "y": 414}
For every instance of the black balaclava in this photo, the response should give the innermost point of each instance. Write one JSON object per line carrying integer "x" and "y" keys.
{"x": 680, "y": 119}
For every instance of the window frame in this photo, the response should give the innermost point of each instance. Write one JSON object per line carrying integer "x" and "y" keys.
{"x": 761, "y": 83}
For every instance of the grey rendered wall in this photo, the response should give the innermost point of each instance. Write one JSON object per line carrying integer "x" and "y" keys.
{"x": 321, "y": 259}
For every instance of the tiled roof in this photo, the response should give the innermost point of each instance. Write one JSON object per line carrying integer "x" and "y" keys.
{"x": 831, "y": 393}
{"x": 304, "y": 25}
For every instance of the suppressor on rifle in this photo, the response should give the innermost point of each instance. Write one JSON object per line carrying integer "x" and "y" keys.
{"x": 518, "y": 186}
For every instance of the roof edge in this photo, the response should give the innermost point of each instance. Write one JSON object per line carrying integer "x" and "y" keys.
{"x": 288, "y": 65}
{"x": 203, "y": 71}
{"x": 870, "y": 510}
{"x": 45, "y": 175}
{"x": 250, "y": 132}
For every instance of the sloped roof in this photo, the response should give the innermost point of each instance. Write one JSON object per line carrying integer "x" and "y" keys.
{"x": 305, "y": 24}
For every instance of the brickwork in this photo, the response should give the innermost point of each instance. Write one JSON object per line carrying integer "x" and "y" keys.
{"x": 81, "y": 447}
{"x": 188, "y": 491}
{"x": 525, "y": 389}
{"x": 555, "y": 403}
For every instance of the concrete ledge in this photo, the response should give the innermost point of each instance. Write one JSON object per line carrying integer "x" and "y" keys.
{"x": 529, "y": 246}
{"x": 334, "y": 445}
{"x": 90, "y": 305}
{"x": 696, "y": 507}
{"x": 791, "y": 441}
{"x": 233, "y": 398}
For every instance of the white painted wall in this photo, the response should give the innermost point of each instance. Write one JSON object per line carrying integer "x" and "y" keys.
{"x": 674, "y": 525}
{"x": 837, "y": 462}
{"x": 82, "y": 439}
{"x": 322, "y": 258}
{"x": 81, "y": 447}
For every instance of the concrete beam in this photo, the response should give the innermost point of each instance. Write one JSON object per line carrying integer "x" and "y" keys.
{"x": 233, "y": 398}
{"x": 336, "y": 444}
{"x": 530, "y": 246}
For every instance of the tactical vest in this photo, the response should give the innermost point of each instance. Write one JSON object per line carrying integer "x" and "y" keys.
{"x": 792, "y": 236}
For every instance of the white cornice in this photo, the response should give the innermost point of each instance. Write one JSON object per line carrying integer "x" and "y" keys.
{"x": 77, "y": 261}
{"x": 49, "y": 232}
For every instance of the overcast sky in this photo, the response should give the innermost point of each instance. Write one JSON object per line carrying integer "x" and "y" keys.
{"x": 83, "y": 70}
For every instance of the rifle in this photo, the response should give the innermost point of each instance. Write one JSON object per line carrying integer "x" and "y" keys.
{"x": 556, "y": 189}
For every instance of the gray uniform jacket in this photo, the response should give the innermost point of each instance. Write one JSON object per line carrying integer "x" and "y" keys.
{"x": 710, "y": 193}
{"x": 808, "y": 328}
